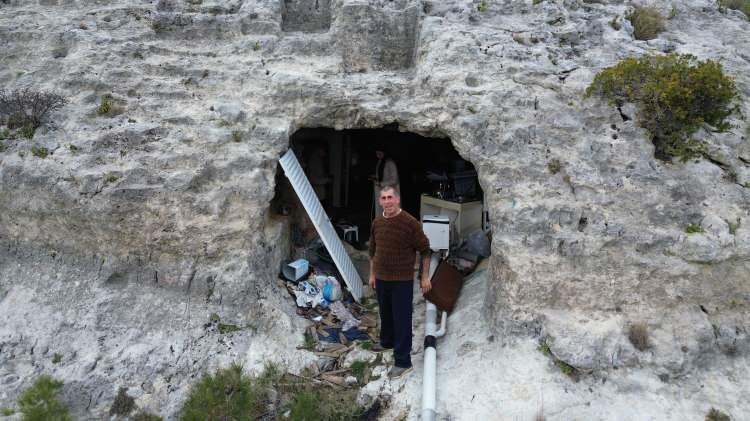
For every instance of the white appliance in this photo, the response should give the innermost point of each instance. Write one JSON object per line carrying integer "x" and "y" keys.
{"x": 437, "y": 228}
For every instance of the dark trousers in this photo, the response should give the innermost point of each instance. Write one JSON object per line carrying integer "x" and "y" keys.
{"x": 395, "y": 301}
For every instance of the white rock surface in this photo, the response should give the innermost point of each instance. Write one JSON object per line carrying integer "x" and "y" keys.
{"x": 117, "y": 248}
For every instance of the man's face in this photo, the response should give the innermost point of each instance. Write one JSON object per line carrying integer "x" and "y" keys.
{"x": 379, "y": 154}
{"x": 389, "y": 201}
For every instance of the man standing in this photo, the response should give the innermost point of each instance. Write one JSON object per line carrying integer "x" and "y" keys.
{"x": 395, "y": 237}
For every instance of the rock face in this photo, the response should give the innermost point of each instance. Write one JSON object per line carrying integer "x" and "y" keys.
{"x": 118, "y": 247}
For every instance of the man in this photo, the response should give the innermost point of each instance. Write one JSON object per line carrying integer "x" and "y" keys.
{"x": 395, "y": 238}
{"x": 386, "y": 172}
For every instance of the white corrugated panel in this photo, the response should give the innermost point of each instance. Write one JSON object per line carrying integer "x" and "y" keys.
{"x": 322, "y": 224}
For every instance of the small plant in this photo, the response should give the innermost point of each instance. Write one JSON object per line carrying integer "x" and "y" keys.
{"x": 237, "y": 136}
{"x": 741, "y": 5}
{"x": 675, "y": 95}
{"x": 6, "y": 412}
{"x": 39, "y": 401}
{"x": 309, "y": 342}
{"x": 366, "y": 344}
{"x": 647, "y": 23}
{"x": 39, "y": 151}
{"x": 359, "y": 370}
{"x": 225, "y": 328}
{"x": 105, "y": 106}
{"x": 694, "y": 229}
{"x": 226, "y": 394}
{"x": 716, "y": 415}
{"x": 482, "y": 6}
{"x": 27, "y": 107}
{"x": 304, "y": 407}
{"x": 145, "y": 416}
{"x": 734, "y": 226}
{"x": 57, "y": 358}
{"x": 638, "y": 335}
{"x": 123, "y": 403}
{"x": 554, "y": 166}
{"x": 4, "y": 134}
{"x": 111, "y": 178}
{"x": 27, "y": 131}
{"x": 566, "y": 368}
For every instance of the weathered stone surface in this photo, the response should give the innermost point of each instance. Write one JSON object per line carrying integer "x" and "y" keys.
{"x": 117, "y": 247}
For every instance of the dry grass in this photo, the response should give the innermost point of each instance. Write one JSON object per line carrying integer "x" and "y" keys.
{"x": 647, "y": 23}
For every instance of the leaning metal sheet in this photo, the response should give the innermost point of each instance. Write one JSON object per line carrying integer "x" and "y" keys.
{"x": 322, "y": 224}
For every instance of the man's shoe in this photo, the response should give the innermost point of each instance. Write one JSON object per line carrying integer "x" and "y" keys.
{"x": 396, "y": 372}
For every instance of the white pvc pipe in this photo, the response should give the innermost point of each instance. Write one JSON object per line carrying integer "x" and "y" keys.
{"x": 429, "y": 384}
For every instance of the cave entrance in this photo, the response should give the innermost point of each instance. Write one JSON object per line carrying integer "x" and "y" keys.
{"x": 436, "y": 184}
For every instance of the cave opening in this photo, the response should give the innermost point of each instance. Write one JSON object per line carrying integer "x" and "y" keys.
{"x": 343, "y": 167}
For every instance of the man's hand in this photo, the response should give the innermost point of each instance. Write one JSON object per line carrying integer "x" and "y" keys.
{"x": 426, "y": 285}
{"x": 371, "y": 282}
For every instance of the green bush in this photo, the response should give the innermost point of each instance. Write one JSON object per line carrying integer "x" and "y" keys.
{"x": 675, "y": 95}
{"x": 39, "y": 151}
{"x": 304, "y": 407}
{"x": 694, "y": 229}
{"x": 27, "y": 131}
{"x": 716, "y": 415}
{"x": 647, "y": 23}
{"x": 741, "y": 5}
{"x": 226, "y": 394}
{"x": 39, "y": 402}
{"x": 105, "y": 106}
{"x": 145, "y": 416}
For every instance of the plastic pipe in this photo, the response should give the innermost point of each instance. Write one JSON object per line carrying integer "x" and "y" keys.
{"x": 429, "y": 384}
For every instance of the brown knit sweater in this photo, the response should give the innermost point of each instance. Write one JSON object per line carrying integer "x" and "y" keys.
{"x": 393, "y": 244}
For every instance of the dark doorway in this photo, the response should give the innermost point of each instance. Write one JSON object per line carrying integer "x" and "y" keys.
{"x": 341, "y": 165}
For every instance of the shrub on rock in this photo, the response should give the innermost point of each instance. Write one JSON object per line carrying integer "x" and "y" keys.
{"x": 26, "y": 108}
{"x": 675, "y": 96}
{"x": 39, "y": 401}
{"x": 647, "y": 23}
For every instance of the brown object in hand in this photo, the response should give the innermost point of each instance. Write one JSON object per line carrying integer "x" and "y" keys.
{"x": 446, "y": 286}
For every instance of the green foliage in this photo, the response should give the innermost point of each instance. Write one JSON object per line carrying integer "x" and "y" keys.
{"x": 6, "y": 412}
{"x": 324, "y": 404}
{"x": 4, "y": 134}
{"x": 27, "y": 131}
{"x": 716, "y": 415}
{"x": 734, "y": 226}
{"x": 359, "y": 370}
{"x": 366, "y": 344}
{"x": 694, "y": 229}
{"x": 123, "y": 403}
{"x": 554, "y": 166}
{"x": 39, "y": 151}
{"x": 237, "y": 136}
{"x": 482, "y": 6}
{"x": 309, "y": 342}
{"x": 675, "y": 94}
{"x": 564, "y": 367}
{"x": 647, "y": 23}
{"x": 105, "y": 106}
{"x": 226, "y": 394}
{"x": 741, "y": 5}
{"x": 304, "y": 407}
{"x": 112, "y": 178}
{"x": 145, "y": 416}
{"x": 227, "y": 328}
{"x": 39, "y": 402}
{"x": 56, "y": 358}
